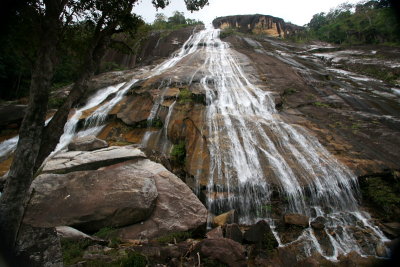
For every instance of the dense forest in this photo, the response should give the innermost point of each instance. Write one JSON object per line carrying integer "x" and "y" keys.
{"x": 367, "y": 22}
{"x": 19, "y": 41}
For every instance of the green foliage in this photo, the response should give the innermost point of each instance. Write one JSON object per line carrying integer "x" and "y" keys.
{"x": 105, "y": 233}
{"x": 269, "y": 242}
{"x": 321, "y": 105}
{"x": 55, "y": 103}
{"x": 227, "y": 32}
{"x": 73, "y": 250}
{"x": 363, "y": 23}
{"x": 176, "y": 21}
{"x": 178, "y": 154}
{"x": 185, "y": 96}
{"x": 384, "y": 194}
{"x": 133, "y": 259}
{"x": 174, "y": 237}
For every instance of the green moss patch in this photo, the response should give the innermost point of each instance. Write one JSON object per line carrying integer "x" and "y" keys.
{"x": 174, "y": 237}
{"x": 382, "y": 192}
{"x": 178, "y": 154}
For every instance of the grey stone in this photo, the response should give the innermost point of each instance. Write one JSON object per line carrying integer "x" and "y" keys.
{"x": 87, "y": 143}
{"x": 177, "y": 208}
{"x": 91, "y": 200}
{"x": 78, "y": 160}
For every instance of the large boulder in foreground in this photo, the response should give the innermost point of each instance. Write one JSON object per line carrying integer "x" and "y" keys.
{"x": 91, "y": 200}
{"x": 177, "y": 208}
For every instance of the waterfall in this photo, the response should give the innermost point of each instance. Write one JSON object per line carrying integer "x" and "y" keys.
{"x": 253, "y": 153}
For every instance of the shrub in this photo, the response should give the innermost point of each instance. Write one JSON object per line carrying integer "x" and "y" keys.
{"x": 178, "y": 153}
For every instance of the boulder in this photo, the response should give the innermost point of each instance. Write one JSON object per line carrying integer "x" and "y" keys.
{"x": 80, "y": 160}
{"x": 215, "y": 233}
{"x": 318, "y": 223}
{"x": 91, "y": 200}
{"x": 261, "y": 235}
{"x": 232, "y": 231}
{"x": 222, "y": 250}
{"x": 87, "y": 143}
{"x": 296, "y": 219}
{"x": 177, "y": 208}
{"x": 225, "y": 218}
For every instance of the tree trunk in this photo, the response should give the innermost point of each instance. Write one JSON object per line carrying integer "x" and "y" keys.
{"x": 54, "y": 130}
{"x": 21, "y": 172}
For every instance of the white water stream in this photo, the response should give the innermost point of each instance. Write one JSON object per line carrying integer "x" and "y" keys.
{"x": 254, "y": 152}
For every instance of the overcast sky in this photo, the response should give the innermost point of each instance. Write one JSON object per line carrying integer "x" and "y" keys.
{"x": 296, "y": 11}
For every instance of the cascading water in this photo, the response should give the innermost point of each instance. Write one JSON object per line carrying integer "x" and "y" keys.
{"x": 254, "y": 153}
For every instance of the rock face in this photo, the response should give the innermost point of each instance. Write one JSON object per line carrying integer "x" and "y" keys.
{"x": 261, "y": 235}
{"x": 79, "y": 160}
{"x": 87, "y": 143}
{"x": 222, "y": 250}
{"x": 258, "y": 24}
{"x": 225, "y": 218}
{"x": 296, "y": 219}
{"x": 177, "y": 208}
{"x": 91, "y": 200}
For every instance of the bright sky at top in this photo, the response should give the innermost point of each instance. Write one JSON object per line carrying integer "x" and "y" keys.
{"x": 296, "y": 11}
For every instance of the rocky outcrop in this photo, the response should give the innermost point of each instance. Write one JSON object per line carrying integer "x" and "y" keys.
{"x": 123, "y": 194}
{"x": 221, "y": 250}
{"x": 91, "y": 200}
{"x": 225, "y": 218}
{"x": 87, "y": 143}
{"x": 296, "y": 219}
{"x": 177, "y": 208}
{"x": 258, "y": 24}
{"x": 79, "y": 160}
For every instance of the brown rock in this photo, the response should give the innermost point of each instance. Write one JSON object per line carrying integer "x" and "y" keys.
{"x": 225, "y": 218}
{"x": 318, "y": 223}
{"x": 135, "y": 109}
{"x": 91, "y": 200}
{"x": 177, "y": 208}
{"x": 223, "y": 250}
{"x": 296, "y": 219}
{"x": 232, "y": 231}
{"x": 215, "y": 233}
{"x": 87, "y": 143}
{"x": 261, "y": 234}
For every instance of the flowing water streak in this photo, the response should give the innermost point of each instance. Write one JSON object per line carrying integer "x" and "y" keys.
{"x": 253, "y": 151}
{"x": 70, "y": 126}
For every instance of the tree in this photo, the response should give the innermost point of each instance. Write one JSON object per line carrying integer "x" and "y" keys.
{"x": 108, "y": 17}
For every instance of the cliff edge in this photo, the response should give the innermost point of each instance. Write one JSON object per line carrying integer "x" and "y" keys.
{"x": 258, "y": 24}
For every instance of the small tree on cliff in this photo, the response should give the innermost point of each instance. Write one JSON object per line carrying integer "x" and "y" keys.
{"x": 109, "y": 17}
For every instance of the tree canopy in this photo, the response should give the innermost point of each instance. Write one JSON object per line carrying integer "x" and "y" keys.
{"x": 367, "y": 22}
